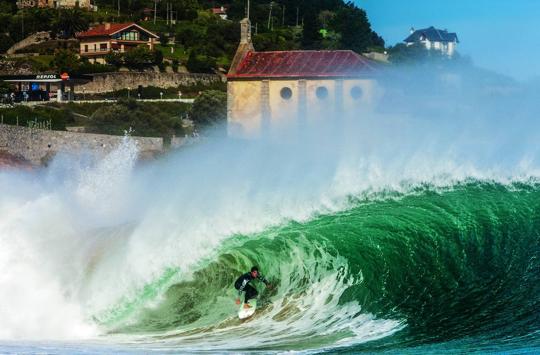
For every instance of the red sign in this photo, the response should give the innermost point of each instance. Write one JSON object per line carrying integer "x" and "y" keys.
{"x": 64, "y": 76}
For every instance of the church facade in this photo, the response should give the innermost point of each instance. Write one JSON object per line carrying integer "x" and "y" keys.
{"x": 269, "y": 89}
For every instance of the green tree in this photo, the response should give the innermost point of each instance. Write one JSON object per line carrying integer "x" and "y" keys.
{"x": 70, "y": 21}
{"x": 163, "y": 39}
{"x": 37, "y": 19}
{"x": 190, "y": 34}
{"x": 145, "y": 120}
{"x": 138, "y": 58}
{"x": 91, "y": 68}
{"x": 157, "y": 57}
{"x": 279, "y": 40}
{"x": 187, "y": 9}
{"x": 412, "y": 54}
{"x": 311, "y": 35}
{"x": 174, "y": 65}
{"x": 115, "y": 59}
{"x": 65, "y": 60}
{"x": 8, "y": 7}
{"x": 5, "y": 42}
{"x": 200, "y": 63}
{"x": 209, "y": 107}
{"x": 355, "y": 30}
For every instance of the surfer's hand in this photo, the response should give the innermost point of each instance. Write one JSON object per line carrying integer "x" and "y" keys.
{"x": 238, "y": 301}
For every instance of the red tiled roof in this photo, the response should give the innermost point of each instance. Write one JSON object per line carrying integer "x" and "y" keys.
{"x": 219, "y": 10}
{"x": 102, "y": 30}
{"x": 302, "y": 64}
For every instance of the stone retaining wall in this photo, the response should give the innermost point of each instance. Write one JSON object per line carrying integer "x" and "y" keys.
{"x": 107, "y": 82}
{"x": 38, "y": 146}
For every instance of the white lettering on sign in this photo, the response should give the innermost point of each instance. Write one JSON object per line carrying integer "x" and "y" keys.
{"x": 46, "y": 76}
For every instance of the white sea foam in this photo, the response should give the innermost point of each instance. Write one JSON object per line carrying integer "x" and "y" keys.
{"x": 83, "y": 236}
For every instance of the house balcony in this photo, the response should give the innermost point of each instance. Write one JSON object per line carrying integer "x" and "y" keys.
{"x": 97, "y": 52}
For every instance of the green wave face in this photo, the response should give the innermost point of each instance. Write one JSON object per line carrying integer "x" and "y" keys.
{"x": 432, "y": 266}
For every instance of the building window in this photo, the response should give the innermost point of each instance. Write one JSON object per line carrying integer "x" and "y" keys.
{"x": 321, "y": 92}
{"x": 103, "y": 47}
{"x": 86, "y": 48}
{"x": 286, "y": 93}
{"x": 130, "y": 36}
{"x": 356, "y": 92}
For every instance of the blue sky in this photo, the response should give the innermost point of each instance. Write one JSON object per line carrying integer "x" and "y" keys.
{"x": 501, "y": 35}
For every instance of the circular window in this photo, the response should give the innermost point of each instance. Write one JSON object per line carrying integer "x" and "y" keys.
{"x": 286, "y": 93}
{"x": 356, "y": 92}
{"x": 321, "y": 92}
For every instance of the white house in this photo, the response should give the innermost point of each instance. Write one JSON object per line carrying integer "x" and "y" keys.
{"x": 434, "y": 38}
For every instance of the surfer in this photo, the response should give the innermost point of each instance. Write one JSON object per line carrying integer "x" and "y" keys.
{"x": 242, "y": 284}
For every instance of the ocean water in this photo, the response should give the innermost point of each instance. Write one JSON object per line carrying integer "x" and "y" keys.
{"x": 384, "y": 233}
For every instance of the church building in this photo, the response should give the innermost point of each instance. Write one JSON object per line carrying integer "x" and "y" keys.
{"x": 269, "y": 89}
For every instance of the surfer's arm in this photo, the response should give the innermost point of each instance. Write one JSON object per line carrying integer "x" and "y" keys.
{"x": 263, "y": 279}
{"x": 242, "y": 286}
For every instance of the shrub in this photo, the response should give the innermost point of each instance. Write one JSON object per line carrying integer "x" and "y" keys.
{"x": 139, "y": 58}
{"x": 200, "y": 63}
{"x": 209, "y": 107}
{"x": 115, "y": 59}
{"x": 145, "y": 120}
{"x": 24, "y": 114}
{"x": 66, "y": 60}
{"x": 175, "y": 64}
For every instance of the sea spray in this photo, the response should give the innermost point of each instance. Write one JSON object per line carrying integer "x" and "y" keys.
{"x": 103, "y": 235}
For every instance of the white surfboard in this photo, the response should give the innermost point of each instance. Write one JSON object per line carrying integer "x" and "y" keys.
{"x": 244, "y": 313}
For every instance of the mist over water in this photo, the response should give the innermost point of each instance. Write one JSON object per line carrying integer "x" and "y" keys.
{"x": 124, "y": 252}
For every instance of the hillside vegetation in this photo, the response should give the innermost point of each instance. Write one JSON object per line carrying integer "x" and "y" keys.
{"x": 194, "y": 38}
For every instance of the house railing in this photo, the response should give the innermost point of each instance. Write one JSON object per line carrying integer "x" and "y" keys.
{"x": 99, "y": 50}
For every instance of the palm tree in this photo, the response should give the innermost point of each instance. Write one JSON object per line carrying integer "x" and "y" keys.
{"x": 69, "y": 22}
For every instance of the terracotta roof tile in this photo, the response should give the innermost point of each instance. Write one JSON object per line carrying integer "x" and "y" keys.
{"x": 102, "y": 30}
{"x": 219, "y": 10}
{"x": 302, "y": 64}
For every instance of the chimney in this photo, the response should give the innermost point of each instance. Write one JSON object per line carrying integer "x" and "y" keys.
{"x": 107, "y": 25}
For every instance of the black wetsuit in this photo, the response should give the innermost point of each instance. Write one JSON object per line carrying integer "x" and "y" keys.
{"x": 242, "y": 285}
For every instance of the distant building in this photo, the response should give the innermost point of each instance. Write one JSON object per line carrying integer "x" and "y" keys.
{"x": 97, "y": 42}
{"x": 220, "y": 11}
{"x": 433, "y": 38}
{"x": 267, "y": 89}
{"x": 148, "y": 13}
{"x": 83, "y": 4}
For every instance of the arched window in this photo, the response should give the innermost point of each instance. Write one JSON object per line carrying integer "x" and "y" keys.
{"x": 286, "y": 93}
{"x": 321, "y": 92}
{"x": 356, "y": 92}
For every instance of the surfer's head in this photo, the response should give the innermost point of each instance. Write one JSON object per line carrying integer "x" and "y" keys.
{"x": 254, "y": 271}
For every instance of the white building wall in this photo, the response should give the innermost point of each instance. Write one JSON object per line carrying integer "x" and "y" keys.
{"x": 451, "y": 48}
{"x": 253, "y": 109}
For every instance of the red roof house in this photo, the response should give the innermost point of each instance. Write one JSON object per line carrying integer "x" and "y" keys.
{"x": 220, "y": 11}
{"x": 121, "y": 37}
